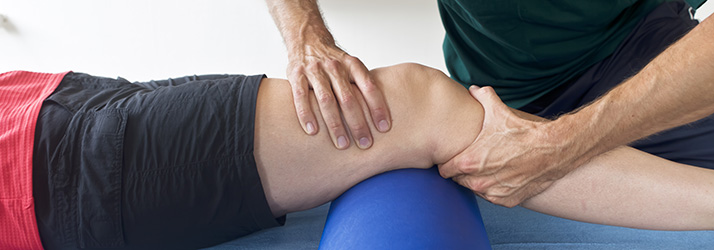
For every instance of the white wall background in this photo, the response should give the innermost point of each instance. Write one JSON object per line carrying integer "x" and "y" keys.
{"x": 156, "y": 39}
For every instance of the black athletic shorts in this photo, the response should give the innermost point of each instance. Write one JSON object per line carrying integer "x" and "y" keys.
{"x": 691, "y": 144}
{"x": 156, "y": 165}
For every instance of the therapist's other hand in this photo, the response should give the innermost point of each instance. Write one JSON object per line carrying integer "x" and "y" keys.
{"x": 513, "y": 158}
{"x": 329, "y": 71}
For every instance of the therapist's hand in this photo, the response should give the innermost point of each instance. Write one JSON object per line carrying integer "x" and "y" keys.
{"x": 329, "y": 71}
{"x": 513, "y": 158}
{"x": 315, "y": 62}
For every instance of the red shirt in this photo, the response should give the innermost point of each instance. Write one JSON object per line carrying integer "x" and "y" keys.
{"x": 21, "y": 96}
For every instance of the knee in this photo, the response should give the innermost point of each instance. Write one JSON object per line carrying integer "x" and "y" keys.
{"x": 412, "y": 81}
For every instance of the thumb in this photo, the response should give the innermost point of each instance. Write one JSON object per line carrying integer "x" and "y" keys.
{"x": 487, "y": 97}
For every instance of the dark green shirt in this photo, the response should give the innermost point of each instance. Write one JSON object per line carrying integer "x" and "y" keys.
{"x": 525, "y": 48}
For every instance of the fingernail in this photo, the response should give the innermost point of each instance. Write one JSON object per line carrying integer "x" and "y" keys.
{"x": 342, "y": 142}
{"x": 383, "y": 125}
{"x": 310, "y": 128}
{"x": 363, "y": 142}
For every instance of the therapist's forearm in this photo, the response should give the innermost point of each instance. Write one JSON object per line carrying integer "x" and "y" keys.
{"x": 676, "y": 88}
{"x": 300, "y": 23}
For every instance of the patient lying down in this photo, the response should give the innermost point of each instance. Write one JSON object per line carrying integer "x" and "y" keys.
{"x": 196, "y": 171}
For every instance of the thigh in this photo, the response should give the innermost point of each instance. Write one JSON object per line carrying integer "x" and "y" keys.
{"x": 190, "y": 178}
{"x": 691, "y": 144}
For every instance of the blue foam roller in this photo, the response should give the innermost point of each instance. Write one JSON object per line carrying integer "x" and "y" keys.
{"x": 405, "y": 209}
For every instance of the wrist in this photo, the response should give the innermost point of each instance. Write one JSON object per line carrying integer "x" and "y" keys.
{"x": 573, "y": 136}
{"x": 308, "y": 38}
{"x": 312, "y": 47}
{"x": 300, "y": 24}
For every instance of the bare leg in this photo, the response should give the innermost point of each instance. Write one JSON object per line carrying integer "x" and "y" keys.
{"x": 627, "y": 187}
{"x": 434, "y": 118}
{"x": 300, "y": 171}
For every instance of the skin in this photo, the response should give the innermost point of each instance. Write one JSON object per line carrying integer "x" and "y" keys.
{"x": 301, "y": 171}
{"x": 525, "y": 157}
{"x": 435, "y": 119}
{"x": 315, "y": 62}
